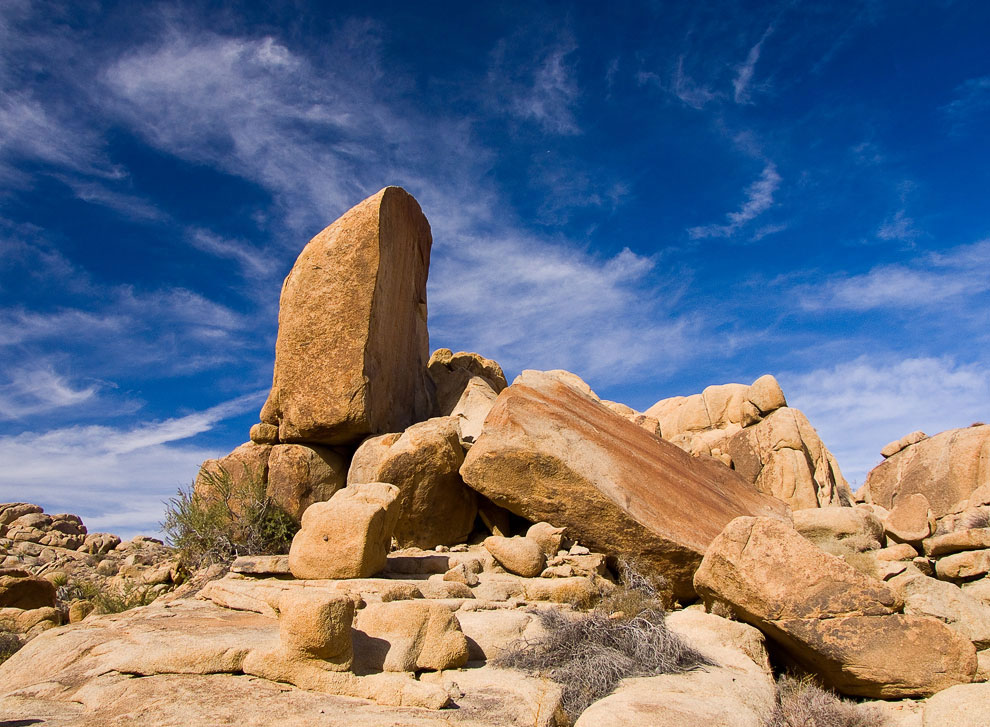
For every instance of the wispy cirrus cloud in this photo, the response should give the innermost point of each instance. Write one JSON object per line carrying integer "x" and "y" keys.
{"x": 39, "y": 389}
{"x": 115, "y": 477}
{"x": 926, "y": 281}
{"x": 898, "y": 227}
{"x": 741, "y": 84}
{"x": 543, "y": 92}
{"x": 759, "y": 198}
{"x": 970, "y": 106}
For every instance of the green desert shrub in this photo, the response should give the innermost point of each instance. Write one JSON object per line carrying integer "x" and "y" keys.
{"x": 107, "y": 596}
{"x": 802, "y": 703}
{"x": 589, "y": 654}
{"x": 225, "y": 518}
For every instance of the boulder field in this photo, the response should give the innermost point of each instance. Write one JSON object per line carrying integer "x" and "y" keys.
{"x": 444, "y": 512}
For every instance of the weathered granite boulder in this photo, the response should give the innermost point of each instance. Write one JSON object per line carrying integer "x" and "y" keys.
{"x": 18, "y": 589}
{"x": 243, "y": 469}
{"x": 549, "y": 452}
{"x": 828, "y": 617}
{"x": 348, "y": 536}
{"x": 965, "y": 614}
{"x": 434, "y": 506}
{"x": 352, "y": 347}
{"x": 751, "y": 429}
{"x": 301, "y": 474}
{"x": 409, "y": 636}
{"x": 946, "y": 468}
{"x": 519, "y": 555}
{"x": 467, "y": 385}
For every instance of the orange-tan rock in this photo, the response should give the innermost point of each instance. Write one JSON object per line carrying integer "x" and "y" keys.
{"x": 551, "y": 452}
{"x": 300, "y": 474}
{"x": 946, "y": 468}
{"x": 348, "y": 536}
{"x": 434, "y": 505}
{"x": 751, "y": 429}
{"x": 352, "y": 347}
{"x": 829, "y": 617}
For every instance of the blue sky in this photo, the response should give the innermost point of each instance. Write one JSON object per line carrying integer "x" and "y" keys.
{"x": 657, "y": 196}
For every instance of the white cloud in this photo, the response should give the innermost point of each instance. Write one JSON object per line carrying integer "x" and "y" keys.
{"x": 544, "y": 91}
{"x": 744, "y": 73}
{"x": 759, "y": 198}
{"x": 688, "y": 91}
{"x": 114, "y": 477}
{"x": 898, "y": 227}
{"x": 859, "y": 406}
{"x": 927, "y": 281}
{"x": 39, "y": 390}
{"x": 972, "y": 103}
{"x": 534, "y": 305}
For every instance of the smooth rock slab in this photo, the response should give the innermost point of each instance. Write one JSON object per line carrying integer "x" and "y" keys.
{"x": 962, "y": 566}
{"x": 549, "y": 452}
{"x": 974, "y": 539}
{"x": 965, "y": 705}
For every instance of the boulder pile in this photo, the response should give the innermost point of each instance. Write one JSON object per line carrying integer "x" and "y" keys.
{"x": 444, "y": 512}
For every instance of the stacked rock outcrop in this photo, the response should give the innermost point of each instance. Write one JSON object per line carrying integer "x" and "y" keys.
{"x": 752, "y": 430}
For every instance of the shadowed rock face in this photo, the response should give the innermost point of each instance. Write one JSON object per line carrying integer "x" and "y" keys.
{"x": 352, "y": 347}
{"x": 549, "y": 452}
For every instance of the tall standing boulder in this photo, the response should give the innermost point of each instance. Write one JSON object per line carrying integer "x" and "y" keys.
{"x": 352, "y": 346}
{"x": 549, "y": 452}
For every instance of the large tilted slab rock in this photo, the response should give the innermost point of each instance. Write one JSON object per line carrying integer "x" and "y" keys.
{"x": 348, "y": 536}
{"x": 352, "y": 347}
{"x": 946, "y": 469}
{"x": 551, "y": 453}
{"x": 829, "y": 617}
{"x": 752, "y": 429}
{"x": 434, "y": 506}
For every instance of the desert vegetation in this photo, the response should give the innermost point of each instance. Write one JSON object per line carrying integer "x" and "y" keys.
{"x": 588, "y": 654}
{"x": 226, "y": 518}
{"x": 802, "y": 703}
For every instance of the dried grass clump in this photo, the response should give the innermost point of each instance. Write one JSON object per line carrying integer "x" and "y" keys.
{"x": 979, "y": 518}
{"x": 856, "y": 551}
{"x": 802, "y": 703}
{"x": 225, "y": 519}
{"x": 589, "y": 654}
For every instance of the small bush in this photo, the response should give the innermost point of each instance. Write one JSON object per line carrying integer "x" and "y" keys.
{"x": 801, "y": 703}
{"x": 107, "y": 598}
{"x": 227, "y": 518}
{"x": 590, "y": 654}
{"x": 9, "y": 645}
